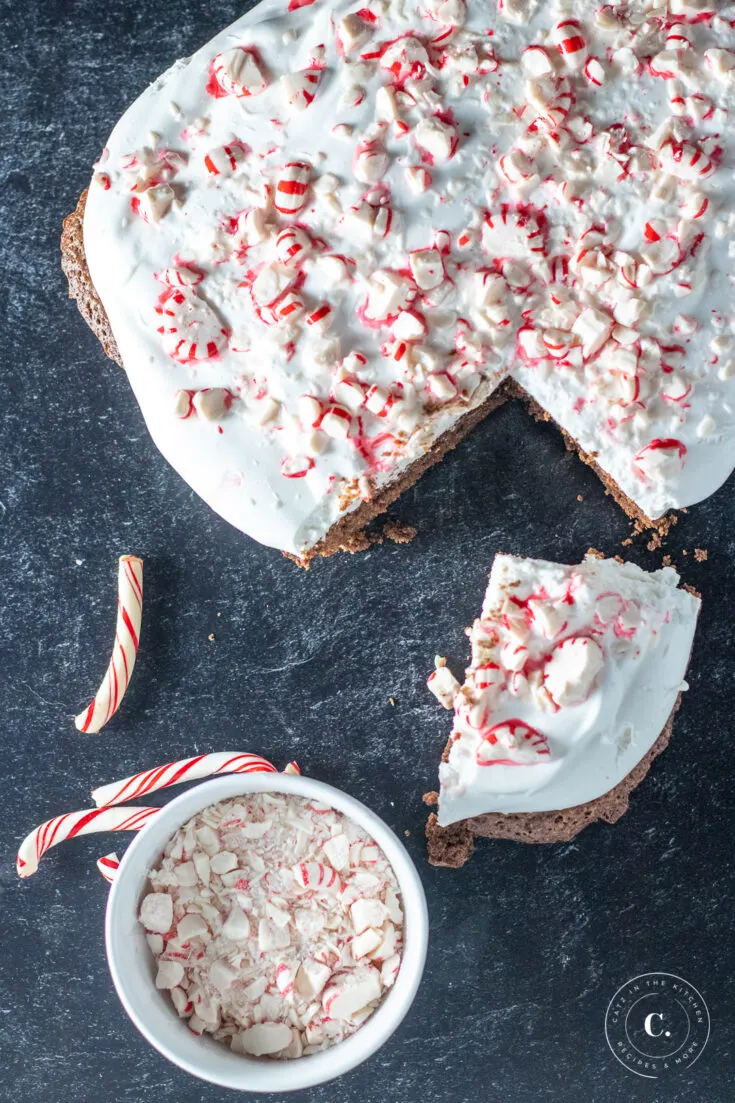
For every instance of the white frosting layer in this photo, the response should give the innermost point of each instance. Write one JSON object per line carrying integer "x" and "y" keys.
{"x": 575, "y": 671}
{"x": 326, "y": 236}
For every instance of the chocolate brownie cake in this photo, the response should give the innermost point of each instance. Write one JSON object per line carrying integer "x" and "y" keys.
{"x": 575, "y": 677}
{"x": 335, "y": 238}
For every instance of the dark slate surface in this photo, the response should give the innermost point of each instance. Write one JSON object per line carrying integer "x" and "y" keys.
{"x": 528, "y": 944}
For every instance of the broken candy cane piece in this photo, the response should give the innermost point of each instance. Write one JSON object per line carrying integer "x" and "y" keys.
{"x": 190, "y": 328}
{"x": 300, "y": 88}
{"x": 512, "y": 743}
{"x": 127, "y": 634}
{"x": 350, "y": 992}
{"x": 370, "y": 163}
{"x": 224, "y": 160}
{"x": 570, "y": 42}
{"x": 315, "y": 877}
{"x": 442, "y": 683}
{"x": 436, "y": 140}
{"x": 154, "y": 203}
{"x": 293, "y": 246}
{"x": 181, "y": 275}
{"x": 108, "y": 866}
{"x": 353, "y": 32}
{"x": 685, "y": 161}
{"x": 239, "y": 72}
{"x": 265, "y": 1038}
{"x": 185, "y": 769}
{"x": 84, "y": 822}
{"x": 513, "y": 232}
{"x": 659, "y": 457}
{"x": 570, "y": 673}
{"x": 157, "y": 912}
{"x": 291, "y": 187}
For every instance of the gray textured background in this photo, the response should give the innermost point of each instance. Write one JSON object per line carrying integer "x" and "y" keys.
{"x": 528, "y": 944}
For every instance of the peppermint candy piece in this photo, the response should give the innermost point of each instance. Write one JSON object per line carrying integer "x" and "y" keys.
{"x": 225, "y": 160}
{"x": 513, "y": 232}
{"x": 512, "y": 743}
{"x": 659, "y": 458}
{"x": 299, "y": 89}
{"x": 291, "y": 187}
{"x": 293, "y": 246}
{"x": 571, "y": 672}
{"x": 238, "y": 72}
{"x": 191, "y": 330}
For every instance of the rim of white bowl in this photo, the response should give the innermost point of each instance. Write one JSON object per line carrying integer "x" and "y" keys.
{"x": 191, "y": 1052}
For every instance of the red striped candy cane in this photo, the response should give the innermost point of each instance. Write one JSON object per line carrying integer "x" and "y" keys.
{"x": 71, "y": 824}
{"x": 185, "y": 769}
{"x": 108, "y": 866}
{"x": 127, "y": 634}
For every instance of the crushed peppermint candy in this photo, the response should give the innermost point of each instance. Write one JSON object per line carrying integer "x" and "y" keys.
{"x": 574, "y": 673}
{"x": 420, "y": 200}
{"x": 275, "y": 923}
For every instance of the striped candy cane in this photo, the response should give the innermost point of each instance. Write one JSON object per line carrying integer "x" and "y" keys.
{"x": 186, "y": 769}
{"x": 108, "y": 866}
{"x": 71, "y": 824}
{"x": 127, "y": 634}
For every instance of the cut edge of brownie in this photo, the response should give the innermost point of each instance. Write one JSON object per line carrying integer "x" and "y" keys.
{"x": 81, "y": 288}
{"x": 452, "y": 846}
{"x": 348, "y": 534}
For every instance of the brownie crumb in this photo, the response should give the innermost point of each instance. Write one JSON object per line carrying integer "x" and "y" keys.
{"x": 667, "y": 561}
{"x": 594, "y": 553}
{"x": 399, "y": 532}
{"x": 700, "y": 554}
{"x": 580, "y": 497}
{"x": 627, "y": 542}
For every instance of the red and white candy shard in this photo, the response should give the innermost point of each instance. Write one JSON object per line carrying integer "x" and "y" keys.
{"x": 573, "y": 668}
{"x": 300, "y": 88}
{"x": 512, "y": 743}
{"x": 240, "y": 72}
{"x": 275, "y": 924}
{"x": 570, "y": 673}
{"x": 224, "y": 160}
{"x": 393, "y": 182}
{"x": 108, "y": 866}
{"x": 291, "y": 187}
{"x": 190, "y": 329}
{"x": 109, "y": 696}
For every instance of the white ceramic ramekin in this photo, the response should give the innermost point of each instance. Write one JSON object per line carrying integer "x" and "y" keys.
{"x": 131, "y": 962}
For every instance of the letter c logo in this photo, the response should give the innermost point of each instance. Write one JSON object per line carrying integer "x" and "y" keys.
{"x": 648, "y": 1027}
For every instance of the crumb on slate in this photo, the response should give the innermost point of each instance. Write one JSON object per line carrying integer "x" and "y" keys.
{"x": 399, "y": 532}
{"x": 210, "y": 636}
{"x": 580, "y": 497}
{"x": 392, "y": 701}
{"x": 700, "y": 554}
